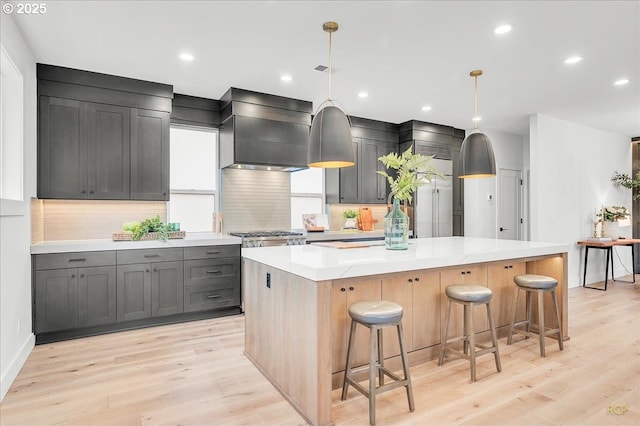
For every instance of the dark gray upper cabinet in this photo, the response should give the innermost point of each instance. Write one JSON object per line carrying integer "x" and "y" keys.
{"x": 149, "y": 155}
{"x": 360, "y": 184}
{"x": 62, "y": 148}
{"x": 102, "y": 136}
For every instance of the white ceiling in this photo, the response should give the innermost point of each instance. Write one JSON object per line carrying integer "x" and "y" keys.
{"x": 405, "y": 54}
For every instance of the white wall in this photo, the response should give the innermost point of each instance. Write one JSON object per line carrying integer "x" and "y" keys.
{"x": 571, "y": 167}
{"x": 16, "y": 337}
{"x": 480, "y": 213}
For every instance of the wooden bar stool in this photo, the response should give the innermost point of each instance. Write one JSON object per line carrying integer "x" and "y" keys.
{"x": 470, "y": 296}
{"x": 376, "y": 315}
{"x": 541, "y": 285}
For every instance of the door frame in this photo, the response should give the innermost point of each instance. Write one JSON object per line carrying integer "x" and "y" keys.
{"x": 519, "y": 202}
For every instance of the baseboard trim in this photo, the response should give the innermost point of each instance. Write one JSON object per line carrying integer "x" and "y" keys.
{"x": 8, "y": 376}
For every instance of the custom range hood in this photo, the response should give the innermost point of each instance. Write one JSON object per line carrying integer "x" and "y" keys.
{"x": 263, "y": 132}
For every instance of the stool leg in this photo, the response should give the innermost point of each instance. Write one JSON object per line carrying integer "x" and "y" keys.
{"x": 471, "y": 329}
{"x": 444, "y": 339}
{"x": 380, "y": 358}
{"x": 513, "y": 321}
{"x": 555, "y": 307}
{"x": 528, "y": 318}
{"x": 541, "y": 321}
{"x": 347, "y": 368}
{"x": 494, "y": 338}
{"x": 405, "y": 367}
{"x": 465, "y": 331}
{"x": 373, "y": 367}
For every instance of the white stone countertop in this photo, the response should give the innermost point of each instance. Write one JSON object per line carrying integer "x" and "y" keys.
{"x": 320, "y": 263}
{"x": 343, "y": 236}
{"x": 191, "y": 239}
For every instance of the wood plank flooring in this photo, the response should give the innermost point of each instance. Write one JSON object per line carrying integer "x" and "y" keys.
{"x": 196, "y": 374}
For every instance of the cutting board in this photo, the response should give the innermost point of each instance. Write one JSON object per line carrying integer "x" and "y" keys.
{"x": 343, "y": 244}
{"x": 365, "y": 219}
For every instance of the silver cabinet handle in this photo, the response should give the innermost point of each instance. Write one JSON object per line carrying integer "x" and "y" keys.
{"x": 213, "y": 296}
{"x": 215, "y": 271}
{"x": 79, "y": 259}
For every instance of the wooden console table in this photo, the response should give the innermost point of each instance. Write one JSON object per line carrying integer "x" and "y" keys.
{"x": 608, "y": 246}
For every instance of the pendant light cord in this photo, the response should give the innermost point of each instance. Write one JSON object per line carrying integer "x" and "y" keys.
{"x": 475, "y": 121}
{"x": 330, "y": 66}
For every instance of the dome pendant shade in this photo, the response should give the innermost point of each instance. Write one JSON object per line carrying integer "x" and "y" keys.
{"x": 330, "y": 143}
{"x": 476, "y": 156}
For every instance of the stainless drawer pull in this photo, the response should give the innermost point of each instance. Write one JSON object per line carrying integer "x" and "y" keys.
{"x": 151, "y": 255}
{"x": 213, "y": 252}
{"x": 215, "y": 271}
{"x": 80, "y": 259}
{"x": 213, "y": 296}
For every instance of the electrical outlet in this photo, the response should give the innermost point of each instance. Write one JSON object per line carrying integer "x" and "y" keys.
{"x": 268, "y": 280}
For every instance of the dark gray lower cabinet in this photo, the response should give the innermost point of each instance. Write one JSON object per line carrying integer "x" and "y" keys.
{"x": 75, "y": 297}
{"x": 96, "y": 296}
{"x": 83, "y": 293}
{"x": 150, "y": 290}
{"x": 56, "y": 300}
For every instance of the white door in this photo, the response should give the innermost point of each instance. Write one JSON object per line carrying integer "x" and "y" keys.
{"x": 510, "y": 196}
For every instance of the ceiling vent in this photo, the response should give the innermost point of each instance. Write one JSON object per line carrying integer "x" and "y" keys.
{"x": 321, "y": 68}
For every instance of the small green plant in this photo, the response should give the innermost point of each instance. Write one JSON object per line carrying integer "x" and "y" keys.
{"x": 411, "y": 172}
{"x": 625, "y": 181}
{"x": 350, "y": 214}
{"x": 141, "y": 229}
{"x": 612, "y": 213}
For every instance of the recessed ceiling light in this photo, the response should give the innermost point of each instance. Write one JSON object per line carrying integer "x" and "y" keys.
{"x": 502, "y": 29}
{"x": 186, "y": 56}
{"x": 363, "y": 94}
{"x": 573, "y": 60}
{"x": 286, "y": 78}
{"x": 426, "y": 108}
{"x": 621, "y": 82}
{"x": 476, "y": 119}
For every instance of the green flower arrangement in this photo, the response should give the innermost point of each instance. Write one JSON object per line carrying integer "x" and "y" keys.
{"x": 411, "y": 172}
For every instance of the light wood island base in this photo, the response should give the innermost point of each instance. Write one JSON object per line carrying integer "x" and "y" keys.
{"x": 296, "y": 327}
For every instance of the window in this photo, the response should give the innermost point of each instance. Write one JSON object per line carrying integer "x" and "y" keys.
{"x": 11, "y": 143}
{"x": 194, "y": 178}
{"x": 306, "y": 194}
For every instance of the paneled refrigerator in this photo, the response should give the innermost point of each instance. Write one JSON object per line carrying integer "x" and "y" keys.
{"x": 433, "y": 204}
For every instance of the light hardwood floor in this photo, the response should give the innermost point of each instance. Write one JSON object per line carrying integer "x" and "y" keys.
{"x": 196, "y": 374}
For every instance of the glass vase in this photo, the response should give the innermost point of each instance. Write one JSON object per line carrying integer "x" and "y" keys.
{"x": 396, "y": 228}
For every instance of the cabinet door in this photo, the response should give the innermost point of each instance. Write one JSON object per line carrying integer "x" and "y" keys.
{"x": 149, "y": 155}
{"x": 500, "y": 277}
{"x": 349, "y": 176}
{"x": 476, "y": 275}
{"x": 458, "y": 194}
{"x": 62, "y": 149}
{"x": 367, "y": 168}
{"x": 133, "y": 291}
{"x": 399, "y": 290}
{"x": 96, "y": 296}
{"x": 56, "y": 300}
{"x": 167, "y": 288}
{"x": 108, "y": 147}
{"x": 342, "y": 296}
{"x": 426, "y": 310}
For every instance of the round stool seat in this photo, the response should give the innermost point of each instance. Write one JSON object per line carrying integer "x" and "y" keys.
{"x": 469, "y": 293}
{"x": 375, "y": 312}
{"x": 535, "y": 282}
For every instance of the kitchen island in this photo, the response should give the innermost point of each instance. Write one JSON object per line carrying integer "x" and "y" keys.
{"x": 296, "y": 301}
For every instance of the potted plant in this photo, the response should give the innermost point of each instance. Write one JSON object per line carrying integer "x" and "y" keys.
{"x": 409, "y": 172}
{"x": 350, "y": 220}
{"x": 625, "y": 181}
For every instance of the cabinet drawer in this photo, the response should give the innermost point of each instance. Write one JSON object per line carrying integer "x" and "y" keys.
{"x": 126, "y": 257}
{"x": 211, "y": 296}
{"x": 211, "y": 252}
{"x": 74, "y": 260}
{"x": 211, "y": 271}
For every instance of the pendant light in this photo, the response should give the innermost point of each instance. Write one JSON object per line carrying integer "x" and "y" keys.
{"x": 476, "y": 155}
{"x": 330, "y": 143}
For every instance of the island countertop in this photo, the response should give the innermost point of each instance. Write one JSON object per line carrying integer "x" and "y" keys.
{"x": 318, "y": 263}
{"x": 191, "y": 239}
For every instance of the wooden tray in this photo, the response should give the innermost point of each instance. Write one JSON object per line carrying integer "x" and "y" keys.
{"x": 125, "y": 236}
